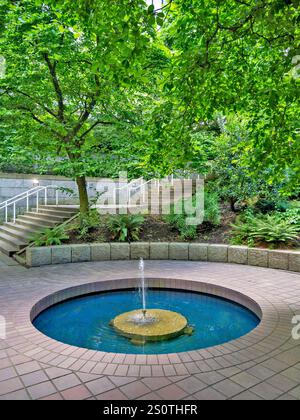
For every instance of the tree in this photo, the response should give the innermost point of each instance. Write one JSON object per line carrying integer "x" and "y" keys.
{"x": 236, "y": 57}
{"x": 71, "y": 67}
{"x": 232, "y": 177}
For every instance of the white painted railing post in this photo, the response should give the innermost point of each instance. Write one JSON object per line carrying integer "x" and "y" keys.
{"x": 56, "y": 197}
{"x": 25, "y": 196}
{"x": 37, "y": 202}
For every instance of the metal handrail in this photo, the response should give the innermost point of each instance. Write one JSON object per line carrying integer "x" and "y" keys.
{"x": 143, "y": 186}
{"x": 16, "y": 196}
{"x": 156, "y": 181}
{"x": 128, "y": 185}
{"x": 25, "y": 196}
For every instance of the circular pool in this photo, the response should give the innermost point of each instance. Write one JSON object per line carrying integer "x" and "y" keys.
{"x": 85, "y": 321}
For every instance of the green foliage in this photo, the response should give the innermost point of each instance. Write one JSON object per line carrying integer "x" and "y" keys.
{"x": 227, "y": 56}
{"x": 294, "y": 204}
{"x": 86, "y": 223}
{"x": 125, "y": 227}
{"x": 212, "y": 212}
{"x": 73, "y": 83}
{"x": 271, "y": 228}
{"x": 265, "y": 205}
{"x": 292, "y": 215}
{"x": 233, "y": 177}
{"x": 93, "y": 87}
{"x": 49, "y": 237}
{"x": 178, "y": 222}
{"x": 212, "y": 215}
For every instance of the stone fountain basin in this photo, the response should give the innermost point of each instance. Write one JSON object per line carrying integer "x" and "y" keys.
{"x": 165, "y": 325}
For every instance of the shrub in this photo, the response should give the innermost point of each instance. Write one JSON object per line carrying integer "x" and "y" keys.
{"x": 212, "y": 212}
{"x": 125, "y": 227}
{"x": 48, "y": 237}
{"x": 295, "y": 204}
{"x": 86, "y": 223}
{"x": 265, "y": 205}
{"x": 212, "y": 215}
{"x": 178, "y": 222}
{"x": 271, "y": 204}
{"x": 293, "y": 216}
{"x": 271, "y": 228}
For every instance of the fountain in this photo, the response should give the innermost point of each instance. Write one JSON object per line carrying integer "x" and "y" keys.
{"x": 150, "y": 325}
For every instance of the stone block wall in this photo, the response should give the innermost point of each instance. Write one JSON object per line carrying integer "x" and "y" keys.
{"x": 283, "y": 260}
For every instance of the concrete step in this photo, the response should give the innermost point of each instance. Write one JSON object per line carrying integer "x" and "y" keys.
{"x": 14, "y": 242}
{"x": 7, "y": 249}
{"x": 42, "y": 216}
{"x": 72, "y": 208}
{"x": 24, "y": 227}
{"x": 16, "y": 236}
{"x": 19, "y": 234}
{"x": 35, "y": 221}
{"x": 67, "y": 214}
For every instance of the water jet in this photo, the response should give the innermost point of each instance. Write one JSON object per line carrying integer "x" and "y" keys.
{"x": 149, "y": 325}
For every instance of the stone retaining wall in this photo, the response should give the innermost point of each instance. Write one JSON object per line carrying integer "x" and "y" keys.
{"x": 284, "y": 260}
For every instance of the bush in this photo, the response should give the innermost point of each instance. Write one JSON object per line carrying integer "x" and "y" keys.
{"x": 178, "y": 222}
{"x": 125, "y": 227}
{"x": 265, "y": 205}
{"x": 212, "y": 212}
{"x": 271, "y": 204}
{"x": 212, "y": 215}
{"x": 48, "y": 237}
{"x": 273, "y": 228}
{"x": 86, "y": 223}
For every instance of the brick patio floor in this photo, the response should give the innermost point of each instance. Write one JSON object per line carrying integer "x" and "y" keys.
{"x": 264, "y": 364}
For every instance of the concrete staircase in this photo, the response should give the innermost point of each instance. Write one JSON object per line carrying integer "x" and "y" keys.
{"x": 16, "y": 236}
{"x": 155, "y": 199}
{"x": 151, "y": 197}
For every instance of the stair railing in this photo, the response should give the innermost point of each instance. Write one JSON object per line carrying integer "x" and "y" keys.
{"x": 131, "y": 185}
{"x": 142, "y": 186}
{"x": 26, "y": 195}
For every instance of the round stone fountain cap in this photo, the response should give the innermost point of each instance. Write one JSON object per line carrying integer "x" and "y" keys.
{"x": 165, "y": 325}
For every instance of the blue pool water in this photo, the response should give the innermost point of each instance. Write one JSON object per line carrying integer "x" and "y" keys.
{"x": 84, "y": 321}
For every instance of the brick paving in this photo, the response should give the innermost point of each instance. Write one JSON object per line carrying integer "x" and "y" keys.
{"x": 264, "y": 364}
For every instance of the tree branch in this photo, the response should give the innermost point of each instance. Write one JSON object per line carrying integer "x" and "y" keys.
{"x": 37, "y": 119}
{"x": 36, "y": 102}
{"x": 93, "y": 126}
{"x": 52, "y": 70}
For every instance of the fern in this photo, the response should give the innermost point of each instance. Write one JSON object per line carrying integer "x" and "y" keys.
{"x": 49, "y": 237}
{"x": 125, "y": 227}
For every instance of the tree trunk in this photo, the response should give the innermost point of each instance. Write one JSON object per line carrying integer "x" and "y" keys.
{"x": 83, "y": 195}
{"x": 232, "y": 202}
